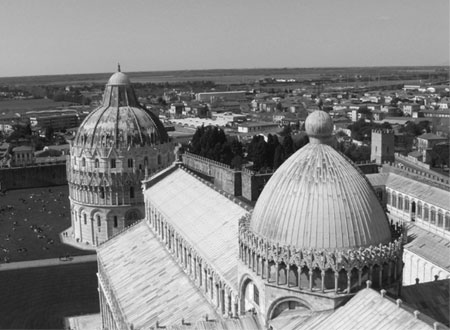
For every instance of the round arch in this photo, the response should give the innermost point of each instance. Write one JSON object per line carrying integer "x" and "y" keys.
{"x": 286, "y": 303}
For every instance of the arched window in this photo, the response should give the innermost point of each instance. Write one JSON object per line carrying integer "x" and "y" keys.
{"x": 394, "y": 199}
{"x": 113, "y": 163}
{"x": 96, "y": 163}
{"x": 85, "y": 218}
{"x": 426, "y": 214}
{"x": 115, "y": 221}
{"x": 130, "y": 162}
{"x": 102, "y": 192}
{"x": 419, "y": 210}
{"x": 388, "y": 197}
{"x": 447, "y": 221}
{"x": 440, "y": 219}
{"x": 406, "y": 206}
{"x": 83, "y": 162}
{"x": 293, "y": 276}
{"x": 282, "y": 278}
{"x": 99, "y": 222}
{"x": 400, "y": 201}
{"x": 433, "y": 216}
{"x": 131, "y": 192}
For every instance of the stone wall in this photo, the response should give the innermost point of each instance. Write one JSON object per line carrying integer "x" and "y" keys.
{"x": 253, "y": 183}
{"x": 225, "y": 178}
{"x": 33, "y": 176}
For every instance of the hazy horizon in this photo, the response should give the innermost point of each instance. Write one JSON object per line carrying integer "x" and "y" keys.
{"x": 231, "y": 69}
{"x": 54, "y": 37}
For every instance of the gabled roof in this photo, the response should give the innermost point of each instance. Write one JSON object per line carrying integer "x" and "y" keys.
{"x": 207, "y": 219}
{"x": 431, "y": 136}
{"x": 424, "y": 192}
{"x": 430, "y": 298}
{"x": 368, "y": 309}
{"x": 147, "y": 284}
{"x": 429, "y": 246}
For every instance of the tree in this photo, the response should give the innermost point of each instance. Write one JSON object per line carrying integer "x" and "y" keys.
{"x": 278, "y": 157}
{"x": 272, "y": 144}
{"x": 440, "y": 155}
{"x": 257, "y": 152}
{"x": 288, "y": 146}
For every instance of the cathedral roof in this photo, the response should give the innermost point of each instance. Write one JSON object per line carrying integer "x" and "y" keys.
{"x": 199, "y": 213}
{"x": 319, "y": 199}
{"x": 146, "y": 282}
{"x": 120, "y": 121}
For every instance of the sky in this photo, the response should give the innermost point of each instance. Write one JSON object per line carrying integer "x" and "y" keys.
{"x": 48, "y": 37}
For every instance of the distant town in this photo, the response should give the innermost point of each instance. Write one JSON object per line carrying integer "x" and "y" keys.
{"x": 36, "y": 120}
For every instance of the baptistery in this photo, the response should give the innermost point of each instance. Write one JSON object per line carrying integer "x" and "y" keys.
{"x": 115, "y": 148}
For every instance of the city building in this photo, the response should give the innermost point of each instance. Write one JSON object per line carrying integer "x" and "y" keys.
{"x": 255, "y": 127}
{"x": 223, "y": 96}
{"x": 425, "y": 210}
{"x": 317, "y": 236}
{"x": 425, "y": 144}
{"x": 22, "y": 156}
{"x": 382, "y": 146}
{"x": 114, "y": 149}
{"x": 56, "y": 119}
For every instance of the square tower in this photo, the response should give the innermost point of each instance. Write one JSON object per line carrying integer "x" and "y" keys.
{"x": 382, "y": 146}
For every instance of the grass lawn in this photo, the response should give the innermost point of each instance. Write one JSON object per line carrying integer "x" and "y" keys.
{"x": 40, "y": 298}
{"x": 30, "y": 223}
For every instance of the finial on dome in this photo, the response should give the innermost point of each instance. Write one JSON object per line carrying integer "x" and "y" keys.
{"x": 319, "y": 127}
{"x": 118, "y": 67}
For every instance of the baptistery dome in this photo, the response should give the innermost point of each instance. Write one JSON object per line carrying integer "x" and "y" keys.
{"x": 318, "y": 199}
{"x": 120, "y": 122}
{"x": 115, "y": 147}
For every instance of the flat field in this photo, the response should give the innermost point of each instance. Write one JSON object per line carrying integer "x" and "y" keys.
{"x": 40, "y": 298}
{"x": 221, "y": 76}
{"x": 21, "y": 106}
{"x": 30, "y": 223}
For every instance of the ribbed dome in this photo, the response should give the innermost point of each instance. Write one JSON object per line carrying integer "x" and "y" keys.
{"x": 120, "y": 121}
{"x": 318, "y": 199}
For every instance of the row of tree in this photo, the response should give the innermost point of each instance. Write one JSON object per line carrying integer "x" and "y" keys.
{"x": 212, "y": 143}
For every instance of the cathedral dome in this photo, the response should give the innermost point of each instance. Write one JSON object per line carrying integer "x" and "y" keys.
{"x": 120, "y": 122}
{"x": 318, "y": 199}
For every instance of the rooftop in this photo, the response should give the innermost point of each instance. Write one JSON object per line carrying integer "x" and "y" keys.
{"x": 369, "y": 309}
{"x": 149, "y": 287}
{"x": 429, "y": 246}
{"x": 422, "y": 191}
{"x": 319, "y": 199}
{"x": 199, "y": 213}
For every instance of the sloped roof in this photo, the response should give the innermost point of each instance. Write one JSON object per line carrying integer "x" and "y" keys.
{"x": 368, "y": 309}
{"x": 207, "y": 219}
{"x": 429, "y": 246}
{"x": 248, "y": 322}
{"x": 431, "y": 298}
{"x": 433, "y": 195}
{"x": 431, "y": 136}
{"x": 147, "y": 283}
